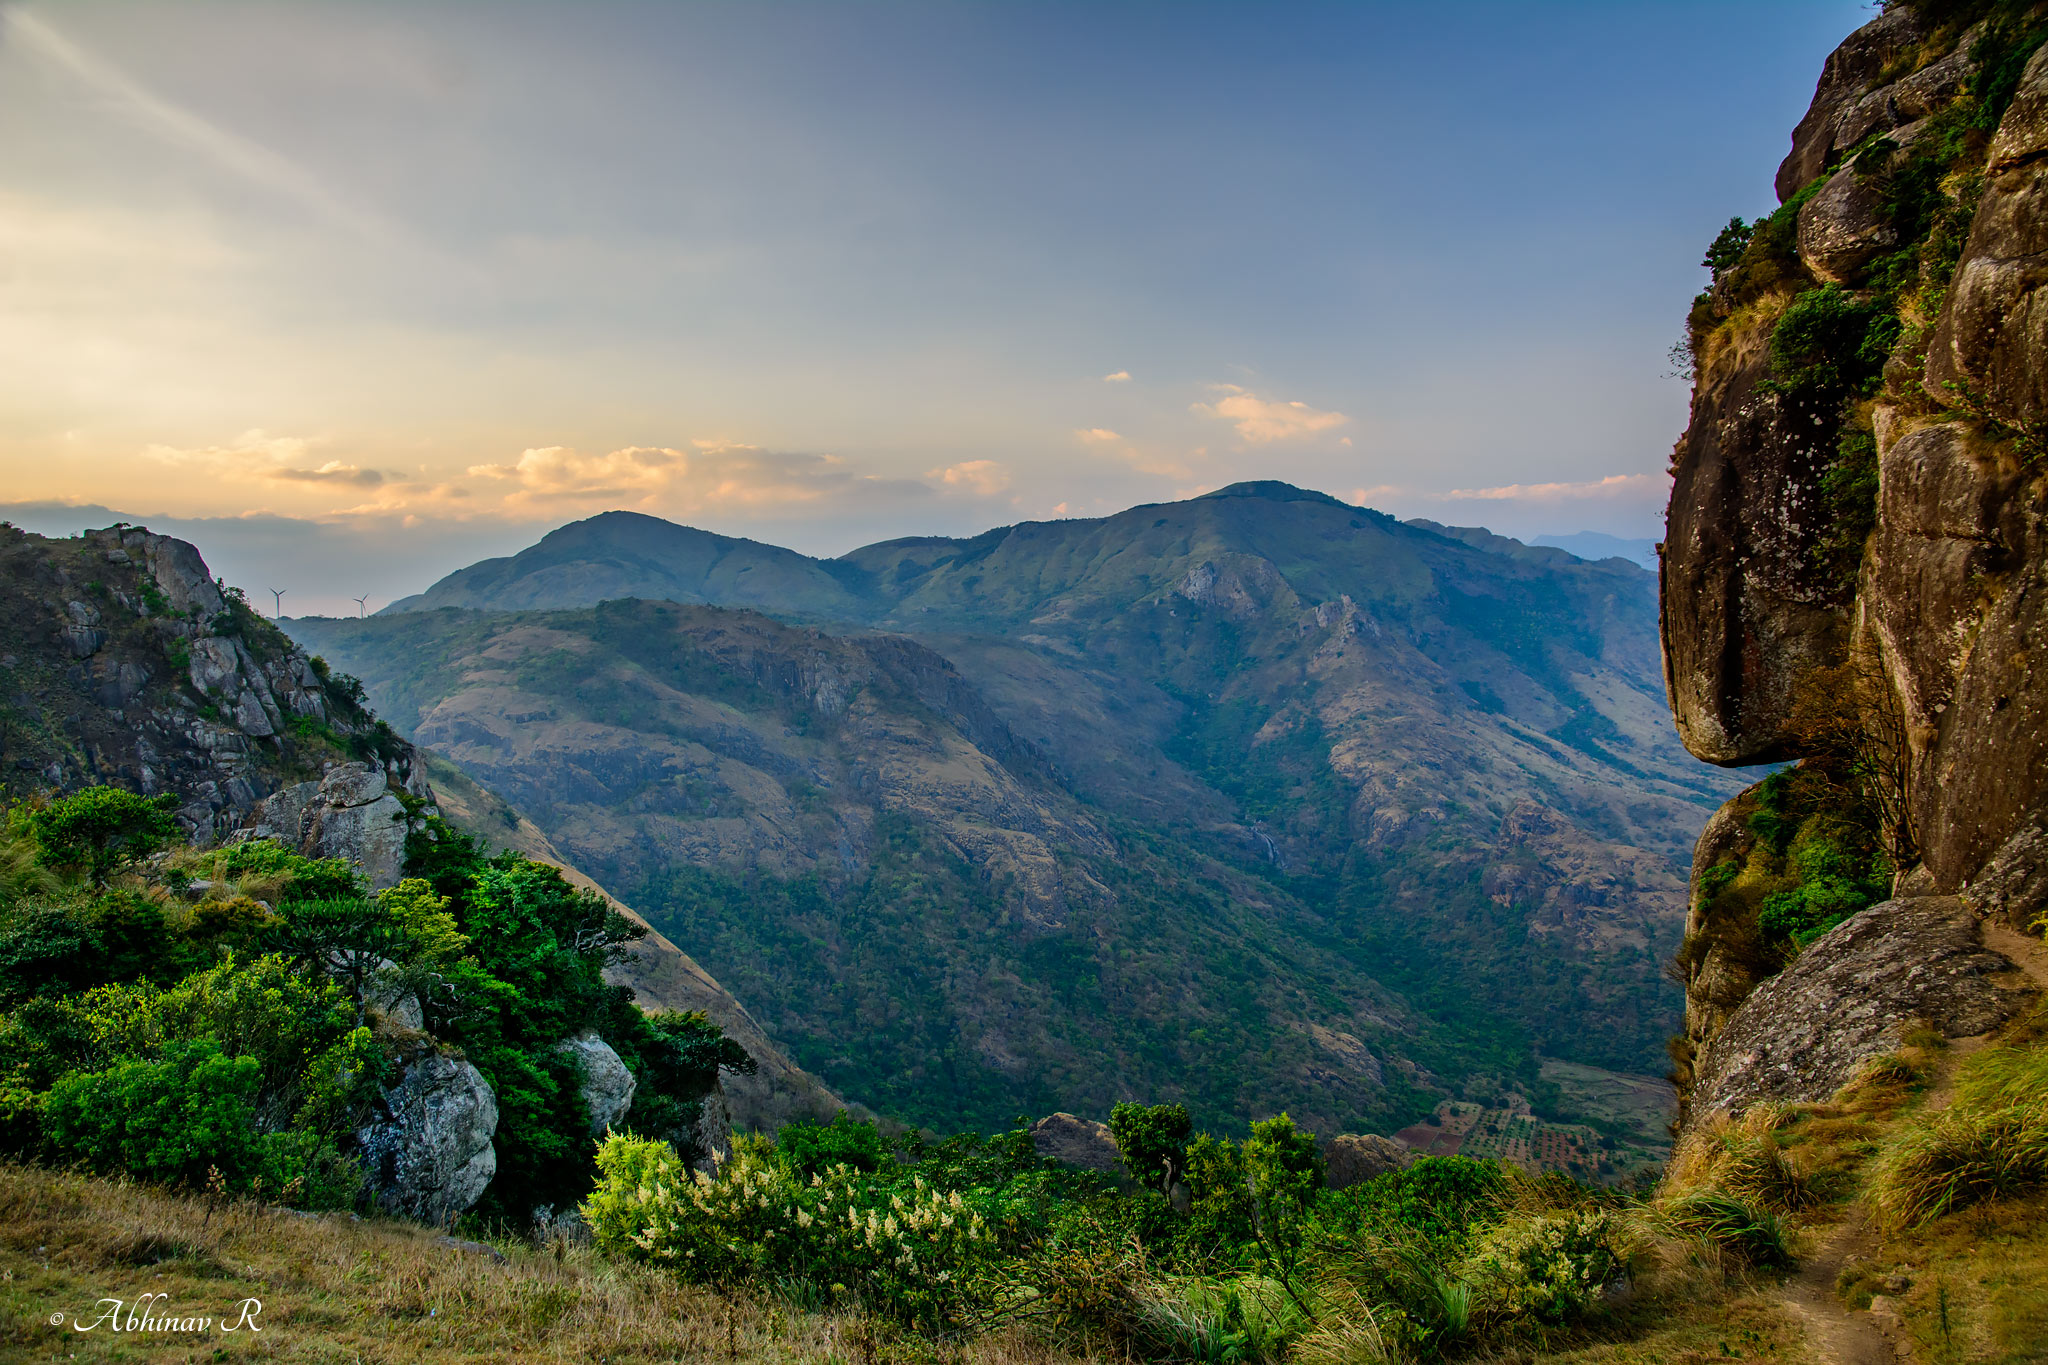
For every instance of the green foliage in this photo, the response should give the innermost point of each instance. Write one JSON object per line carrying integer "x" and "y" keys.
{"x": 103, "y": 828}
{"x": 1548, "y": 1267}
{"x": 1442, "y": 1198}
{"x": 1153, "y": 1141}
{"x": 676, "y": 1060}
{"x": 810, "y": 1149}
{"x": 1283, "y": 1171}
{"x": 1732, "y": 1224}
{"x": 1833, "y": 882}
{"x": 1728, "y": 246}
{"x": 1831, "y": 343}
{"x": 903, "y": 1250}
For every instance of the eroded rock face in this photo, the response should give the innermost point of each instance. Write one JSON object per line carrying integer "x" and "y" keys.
{"x": 352, "y": 813}
{"x": 427, "y": 1152}
{"x": 607, "y": 1084}
{"x": 1078, "y": 1142}
{"x": 1353, "y": 1159}
{"x": 1949, "y": 606}
{"x": 1747, "y": 608}
{"x": 1806, "y": 1032}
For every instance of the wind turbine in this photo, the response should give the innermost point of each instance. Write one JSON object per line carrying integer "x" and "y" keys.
{"x": 362, "y": 604}
{"x": 277, "y": 602}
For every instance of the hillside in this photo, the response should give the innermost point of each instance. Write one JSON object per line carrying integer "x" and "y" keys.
{"x": 1258, "y": 799}
{"x": 127, "y": 664}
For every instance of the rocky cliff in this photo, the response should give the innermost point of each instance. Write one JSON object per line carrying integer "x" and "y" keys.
{"x": 1853, "y": 568}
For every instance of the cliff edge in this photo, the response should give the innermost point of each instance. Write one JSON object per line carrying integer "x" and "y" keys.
{"x": 1852, "y": 574}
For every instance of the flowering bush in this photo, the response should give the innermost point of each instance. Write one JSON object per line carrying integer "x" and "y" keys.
{"x": 1549, "y": 1267}
{"x": 905, "y": 1250}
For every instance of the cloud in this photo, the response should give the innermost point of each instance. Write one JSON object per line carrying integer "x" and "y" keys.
{"x": 983, "y": 477}
{"x": 332, "y": 472}
{"x": 1614, "y": 486}
{"x": 711, "y": 477}
{"x": 182, "y": 128}
{"x": 1120, "y": 377}
{"x": 258, "y": 456}
{"x": 1261, "y": 421}
{"x": 1094, "y": 435}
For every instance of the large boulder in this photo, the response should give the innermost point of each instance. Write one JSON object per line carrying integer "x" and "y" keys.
{"x": 607, "y": 1084}
{"x": 1805, "y": 1033}
{"x": 351, "y": 813}
{"x": 1353, "y": 1158}
{"x": 427, "y": 1148}
{"x": 1078, "y": 1142}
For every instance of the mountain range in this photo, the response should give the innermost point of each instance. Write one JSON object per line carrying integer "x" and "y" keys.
{"x": 1258, "y": 800}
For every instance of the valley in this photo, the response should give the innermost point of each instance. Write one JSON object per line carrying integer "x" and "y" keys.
{"x": 1259, "y": 800}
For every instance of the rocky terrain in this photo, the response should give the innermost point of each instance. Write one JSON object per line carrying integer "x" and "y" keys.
{"x": 1853, "y": 570}
{"x": 1017, "y": 822}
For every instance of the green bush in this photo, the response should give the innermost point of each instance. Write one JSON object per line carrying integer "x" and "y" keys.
{"x": 1153, "y": 1141}
{"x": 809, "y": 1149}
{"x": 101, "y": 829}
{"x": 173, "y": 1118}
{"x": 1546, "y": 1268}
{"x": 902, "y": 1250}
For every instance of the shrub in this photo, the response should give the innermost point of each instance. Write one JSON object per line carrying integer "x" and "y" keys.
{"x": 1549, "y": 1268}
{"x": 1153, "y": 1141}
{"x": 171, "y": 1119}
{"x": 908, "y": 1253}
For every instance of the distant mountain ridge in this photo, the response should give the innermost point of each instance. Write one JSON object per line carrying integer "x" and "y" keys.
{"x": 1000, "y": 823}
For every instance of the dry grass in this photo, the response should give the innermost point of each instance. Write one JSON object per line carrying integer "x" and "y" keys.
{"x": 1745, "y": 1158}
{"x": 338, "y": 1289}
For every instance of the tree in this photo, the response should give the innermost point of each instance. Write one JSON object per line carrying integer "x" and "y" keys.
{"x": 103, "y": 829}
{"x": 1153, "y": 1141}
{"x": 1283, "y": 1171}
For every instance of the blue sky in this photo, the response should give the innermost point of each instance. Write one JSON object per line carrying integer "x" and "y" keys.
{"x": 417, "y": 282}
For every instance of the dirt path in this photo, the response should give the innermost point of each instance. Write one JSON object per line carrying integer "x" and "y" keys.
{"x": 1836, "y": 1335}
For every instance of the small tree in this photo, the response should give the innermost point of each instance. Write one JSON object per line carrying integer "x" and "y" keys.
{"x": 1283, "y": 1171}
{"x": 1153, "y": 1141}
{"x": 103, "y": 829}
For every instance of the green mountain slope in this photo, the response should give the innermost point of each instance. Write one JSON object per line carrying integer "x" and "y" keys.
{"x": 1260, "y": 800}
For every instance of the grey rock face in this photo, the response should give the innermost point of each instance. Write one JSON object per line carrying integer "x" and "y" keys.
{"x": 1352, "y": 1159}
{"x": 1804, "y": 1034}
{"x": 351, "y": 813}
{"x": 1843, "y": 229}
{"x": 428, "y": 1152}
{"x": 1077, "y": 1142}
{"x": 607, "y": 1084}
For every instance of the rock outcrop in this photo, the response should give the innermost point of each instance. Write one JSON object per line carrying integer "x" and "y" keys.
{"x": 607, "y": 1085}
{"x": 1078, "y": 1142}
{"x": 1353, "y": 1158}
{"x": 352, "y": 813}
{"x": 1870, "y": 542}
{"x": 1806, "y": 1032}
{"x": 125, "y": 662}
{"x": 427, "y": 1150}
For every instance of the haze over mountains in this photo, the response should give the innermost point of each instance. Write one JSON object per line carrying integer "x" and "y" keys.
{"x": 1259, "y": 800}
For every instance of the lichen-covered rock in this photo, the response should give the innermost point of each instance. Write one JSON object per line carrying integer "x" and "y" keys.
{"x": 1078, "y": 1142}
{"x": 1747, "y": 608}
{"x": 607, "y": 1083}
{"x": 1806, "y": 1032}
{"x": 427, "y": 1150}
{"x": 1353, "y": 1158}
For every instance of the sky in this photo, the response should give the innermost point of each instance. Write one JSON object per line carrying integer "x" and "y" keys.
{"x": 356, "y": 294}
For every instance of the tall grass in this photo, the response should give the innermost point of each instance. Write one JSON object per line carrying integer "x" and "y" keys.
{"x": 1991, "y": 1142}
